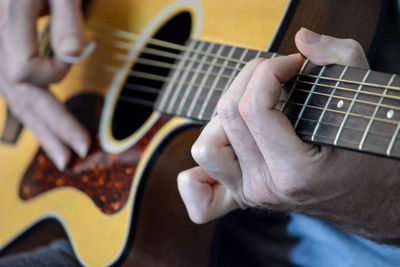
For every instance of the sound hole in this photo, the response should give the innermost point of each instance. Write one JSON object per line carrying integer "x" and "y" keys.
{"x": 135, "y": 103}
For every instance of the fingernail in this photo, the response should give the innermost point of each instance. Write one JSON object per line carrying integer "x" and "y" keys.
{"x": 309, "y": 37}
{"x": 295, "y": 55}
{"x": 85, "y": 52}
{"x": 70, "y": 46}
{"x": 60, "y": 163}
{"x": 82, "y": 150}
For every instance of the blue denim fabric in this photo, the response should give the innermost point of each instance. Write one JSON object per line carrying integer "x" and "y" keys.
{"x": 59, "y": 253}
{"x": 321, "y": 244}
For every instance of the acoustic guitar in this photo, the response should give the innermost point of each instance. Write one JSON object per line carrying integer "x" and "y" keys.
{"x": 157, "y": 73}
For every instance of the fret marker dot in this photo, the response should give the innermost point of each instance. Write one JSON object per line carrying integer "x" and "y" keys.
{"x": 340, "y": 104}
{"x": 390, "y": 114}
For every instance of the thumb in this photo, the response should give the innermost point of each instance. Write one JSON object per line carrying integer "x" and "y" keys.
{"x": 205, "y": 199}
{"x": 66, "y": 27}
{"x": 325, "y": 50}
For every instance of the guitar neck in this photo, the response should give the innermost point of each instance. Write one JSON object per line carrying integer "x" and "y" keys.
{"x": 332, "y": 105}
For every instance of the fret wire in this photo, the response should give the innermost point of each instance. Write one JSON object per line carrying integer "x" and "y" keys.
{"x": 331, "y": 110}
{"x": 340, "y": 112}
{"x": 132, "y": 36}
{"x": 121, "y": 56}
{"x": 236, "y": 70}
{"x": 162, "y": 53}
{"x": 167, "y": 91}
{"x": 232, "y": 76}
{"x": 372, "y": 85}
{"x": 214, "y": 84}
{"x": 350, "y": 99}
{"x": 328, "y": 102}
{"x": 162, "y": 78}
{"x": 182, "y": 79}
{"x": 344, "y": 112}
{"x": 295, "y": 83}
{"x": 364, "y": 137}
{"x": 378, "y": 148}
{"x": 337, "y": 125}
{"x": 149, "y": 104}
{"x": 173, "y": 66}
{"x": 200, "y": 88}
{"x": 352, "y": 90}
{"x": 177, "y": 57}
{"x": 396, "y": 88}
{"x": 190, "y": 86}
{"x": 375, "y": 150}
{"x": 168, "y": 65}
{"x": 350, "y": 108}
{"x": 184, "y": 48}
{"x": 309, "y": 96}
{"x": 393, "y": 139}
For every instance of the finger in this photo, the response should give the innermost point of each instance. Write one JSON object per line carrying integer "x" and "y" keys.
{"x": 270, "y": 128}
{"x": 204, "y": 198}
{"x": 51, "y": 145}
{"x": 234, "y": 126}
{"x": 62, "y": 123}
{"x": 20, "y": 99}
{"x": 325, "y": 50}
{"x": 20, "y": 35}
{"x": 66, "y": 27}
{"x": 212, "y": 151}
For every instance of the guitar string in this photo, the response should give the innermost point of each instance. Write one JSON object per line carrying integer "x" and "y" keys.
{"x": 149, "y": 103}
{"x": 328, "y": 78}
{"x": 148, "y": 62}
{"x": 371, "y": 132}
{"x": 145, "y": 61}
{"x": 130, "y": 100}
{"x": 160, "y": 78}
{"x": 151, "y": 62}
{"x": 162, "y": 43}
{"x": 164, "y": 79}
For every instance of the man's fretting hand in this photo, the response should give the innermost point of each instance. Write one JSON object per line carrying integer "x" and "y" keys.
{"x": 250, "y": 156}
{"x": 25, "y": 76}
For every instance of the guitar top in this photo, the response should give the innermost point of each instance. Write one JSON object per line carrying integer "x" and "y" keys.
{"x": 121, "y": 203}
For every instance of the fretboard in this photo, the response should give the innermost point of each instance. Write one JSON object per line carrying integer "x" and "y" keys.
{"x": 334, "y": 105}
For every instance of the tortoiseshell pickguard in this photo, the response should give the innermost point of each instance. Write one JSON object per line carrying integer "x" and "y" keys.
{"x": 105, "y": 178}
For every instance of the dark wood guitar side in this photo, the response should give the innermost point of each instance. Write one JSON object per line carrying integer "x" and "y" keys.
{"x": 164, "y": 234}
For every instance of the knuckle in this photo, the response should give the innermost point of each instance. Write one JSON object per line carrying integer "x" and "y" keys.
{"x": 19, "y": 108}
{"x": 266, "y": 66}
{"x": 246, "y": 108}
{"x": 198, "y": 213}
{"x": 226, "y": 108}
{"x": 354, "y": 49}
{"x": 20, "y": 103}
{"x": 18, "y": 73}
{"x": 203, "y": 151}
{"x": 183, "y": 180}
{"x": 256, "y": 61}
{"x": 353, "y": 45}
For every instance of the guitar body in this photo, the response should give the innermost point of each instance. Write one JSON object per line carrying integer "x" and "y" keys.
{"x": 121, "y": 203}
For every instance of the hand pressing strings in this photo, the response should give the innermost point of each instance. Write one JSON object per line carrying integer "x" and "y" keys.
{"x": 250, "y": 156}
